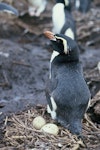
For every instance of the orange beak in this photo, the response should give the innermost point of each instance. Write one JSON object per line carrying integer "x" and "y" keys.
{"x": 49, "y": 35}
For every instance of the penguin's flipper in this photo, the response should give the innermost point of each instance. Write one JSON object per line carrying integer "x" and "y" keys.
{"x": 52, "y": 106}
{"x": 9, "y": 9}
{"x": 50, "y": 87}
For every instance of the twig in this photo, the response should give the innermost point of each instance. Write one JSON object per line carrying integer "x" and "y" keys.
{"x": 5, "y": 77}
{"x": 90, "y": 122}
{"x": 76, "y": 146}
{"x": 21, "y": 124}
{"x": 25, "y": 26}
{"x": 89, "y": 43}
{"x": 6, "y": 120}
{"x": 21, "y": 63}
{"x": 21, "y": 137}
{"x": 6, "y": 83}
{"x": 3, "y": 84}
{"x": 84, "y": 36}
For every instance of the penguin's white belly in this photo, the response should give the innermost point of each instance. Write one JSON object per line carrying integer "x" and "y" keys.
{"x": 36, "y": 7}
{"x": 58, "y": 17}
{"x": 54, "y": 108}
{"x": 36, "y": 3}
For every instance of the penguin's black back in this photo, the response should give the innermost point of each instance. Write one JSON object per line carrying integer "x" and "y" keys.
{"x": 84, "y": 5}
{"x": 67, "y": 94}
{"x": 71, "y": 93}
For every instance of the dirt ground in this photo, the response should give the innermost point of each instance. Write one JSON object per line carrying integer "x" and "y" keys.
{"x": 25, "y": 55}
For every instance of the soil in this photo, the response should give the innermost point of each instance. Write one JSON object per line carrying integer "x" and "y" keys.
{"x": 25, "y": 55}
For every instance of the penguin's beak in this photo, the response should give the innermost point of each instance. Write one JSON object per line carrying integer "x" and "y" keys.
{"x": 50, "y": 35}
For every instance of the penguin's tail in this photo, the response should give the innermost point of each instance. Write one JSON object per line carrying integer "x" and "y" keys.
{"x": 75, "y": 127}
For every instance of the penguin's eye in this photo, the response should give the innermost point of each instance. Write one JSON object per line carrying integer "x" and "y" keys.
{"x": 59, "y": 41}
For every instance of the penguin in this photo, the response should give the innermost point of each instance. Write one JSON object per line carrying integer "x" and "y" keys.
{"x": 82, "y": 5}
{"x": 9, "y": 9}
{"x": 67, "y": 4}
{"x": 66, "y": 91}
{"x": 62, "y": 19}
{"x": 36, "y": 7}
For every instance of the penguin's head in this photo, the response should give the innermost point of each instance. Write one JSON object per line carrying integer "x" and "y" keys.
{"x": 66, "y": 3}
{"x": 63, "y": 44}
{"x": 9, "y": 9}
{"x": 60, "y": 44}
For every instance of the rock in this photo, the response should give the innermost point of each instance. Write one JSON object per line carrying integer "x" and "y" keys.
{"x": 39, "y": 122}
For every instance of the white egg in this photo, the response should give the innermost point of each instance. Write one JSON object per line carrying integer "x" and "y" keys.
{"x": 50, "y": 128}
{"x": 39, "y": 122}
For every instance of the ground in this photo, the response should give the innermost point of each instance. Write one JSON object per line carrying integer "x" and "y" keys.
{"x": 25, "y": 55}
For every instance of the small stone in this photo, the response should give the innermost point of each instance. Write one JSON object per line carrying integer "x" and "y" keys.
{"x": 60, "y": 145}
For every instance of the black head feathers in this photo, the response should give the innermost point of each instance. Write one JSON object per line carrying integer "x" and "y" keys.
{"x": 64, "y": 45}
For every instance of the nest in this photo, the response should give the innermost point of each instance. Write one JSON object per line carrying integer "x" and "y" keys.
{"x": 20, "y": 133}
